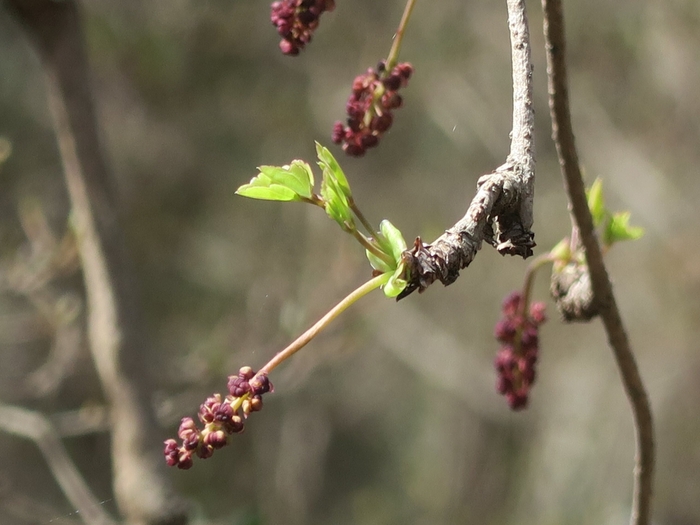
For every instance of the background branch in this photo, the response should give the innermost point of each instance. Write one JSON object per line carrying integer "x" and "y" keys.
{"x": 142, "y": 490}
{"x": 34, "y": 426}
{"x": 602, "y": 288}
{"x": 501, "y": 212}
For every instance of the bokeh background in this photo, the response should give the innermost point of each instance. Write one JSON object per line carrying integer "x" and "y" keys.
{"x": 391, "y": 417}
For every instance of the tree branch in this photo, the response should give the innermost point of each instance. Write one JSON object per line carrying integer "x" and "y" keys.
{"x": 602, "y": 288}
{"x": 34, "y": 426}
{"x": 142, "y": 489}
{"x": 501, "y": 212}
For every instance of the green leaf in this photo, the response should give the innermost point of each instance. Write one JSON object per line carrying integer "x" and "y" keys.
{"x": 378, "y": 263}
{"x": 618, "y": 229}
{"x": 396, "y": 283}
{"x": 280, "y": 183}
{"x": 390, "y": 241}
{"x": 396, "y": 242}
{"x": 336, "y": 203}
{"x": 272, "y": 192}
{"x": 596, "y": 202}
{"x": 298, "y": 177}
{"x": 331, "y": 169}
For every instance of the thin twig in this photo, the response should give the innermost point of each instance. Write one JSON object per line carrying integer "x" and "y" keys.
{"x": 501, "y": 211}
{"x": 322, "y": 323}
{"x": 393, "y": 56}
{"x": 35, "y": 426}
{"x": 602, "y": 288}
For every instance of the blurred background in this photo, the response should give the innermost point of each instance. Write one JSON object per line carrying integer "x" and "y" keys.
{"x": 391, "y": 416}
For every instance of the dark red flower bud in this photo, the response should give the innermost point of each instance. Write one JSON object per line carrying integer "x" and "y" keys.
{"x": 189, "y": 433}
{"x": 369, "y": 141}
{"x": 537, "y": 312}
{"x": 381, "y": 123}
{"x": 516, "y": 400}
{"x": 172, "y": 452}
{"x": 260, "y": 385}
{"x": 338, "y": 133}
{"x": 404, "y": 70}
{"x": 184, "y": 461}
{"x": 238, "y": 386}
{"x": 354, "y": 150}
{"x": 215, "y": 439}
{"x": 515, "y": 361}
{"x": 511, "y": 303}
{"x": 223, "y": 412}
{"x": 505, "y": 330}
{"x": 296, "y": 20}
{"x": 369, "y": 116}
{"x": 392, "y": 100}
{"x": 392, "y": 82}
{"x": 235, "y": 426}
{"x": 205, "y": 451}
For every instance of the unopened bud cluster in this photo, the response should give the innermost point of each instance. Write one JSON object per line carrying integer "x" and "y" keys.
{"x": 296, "y": 20}
{"x": 517, "y": 331}
{"x": 374, "y": 96}
{"x": 221, "y": 418}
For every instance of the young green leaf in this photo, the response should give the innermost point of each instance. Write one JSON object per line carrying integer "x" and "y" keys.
{"x": 394, "y": 239}
{"x": 297, "y": 177}
{"x": 281, "y": 183}
{"x": 331, "y": 169}
{"x": 262, "y": 187}
{"x": 378, "y": 263}
{"x": 396, "y": 283}
{"x": 274, "y": 192}
{"x": 618, "y": 229}
{"x": 596, "y": 202}
{"x": 336, "y": 203}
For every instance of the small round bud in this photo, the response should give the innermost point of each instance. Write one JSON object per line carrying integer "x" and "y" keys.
{"x": 185, "y": 460}
{"x": 256, "y": 404}
{"x": 260, "y": 384}
{"x": 238, "y": 385}
{"x": 171, "y": 452}
{"x": 215, "y": 439}
{"x": 205, "y": 451}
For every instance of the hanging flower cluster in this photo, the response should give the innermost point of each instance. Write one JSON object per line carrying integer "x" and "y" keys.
{"x": 517, "y": 331}
{"x": 296, "y": 20}
{"x": 221, "y": 418}
{"x": 369, "y": 108}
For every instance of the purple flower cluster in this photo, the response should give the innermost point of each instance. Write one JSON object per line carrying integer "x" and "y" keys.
{"x": 515, "y": 361}
{"x": 296, "y": 20}
{"x": 374, "y": 96}
{"x": 220, "y": 417}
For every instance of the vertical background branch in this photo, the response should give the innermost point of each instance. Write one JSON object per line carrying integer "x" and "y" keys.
{"x": 36, "y": 427}
{"x": 602, "y": 288}
{"x": 117, "y": 341}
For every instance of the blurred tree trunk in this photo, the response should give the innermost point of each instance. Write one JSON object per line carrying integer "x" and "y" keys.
{"x": 117, "y": 340}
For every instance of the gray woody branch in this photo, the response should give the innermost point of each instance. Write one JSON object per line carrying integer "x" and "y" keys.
{"x": 142, "y": 489}
{"x": 501, "y": 212}
{"x": 604, "y": 298}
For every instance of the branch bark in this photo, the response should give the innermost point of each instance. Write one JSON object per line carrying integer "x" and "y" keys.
{"x": 34, "y": 426}
{"x": 604, "y": 298}
{"x": 117, "y": 341}
{"x": 501, "y": 212}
